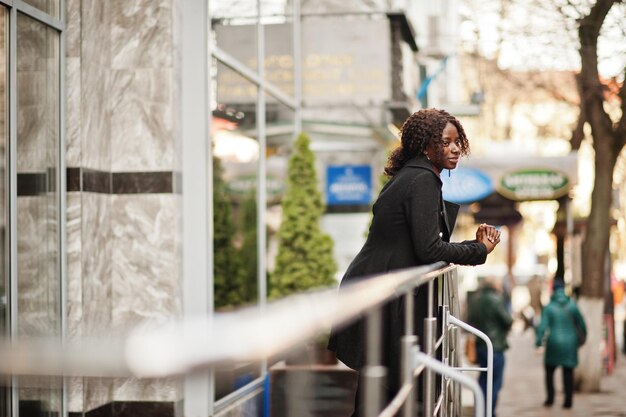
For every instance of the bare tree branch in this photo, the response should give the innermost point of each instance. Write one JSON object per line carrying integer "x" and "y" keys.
{"x": 578, "y": 134}
{"x": 592, "y": 88}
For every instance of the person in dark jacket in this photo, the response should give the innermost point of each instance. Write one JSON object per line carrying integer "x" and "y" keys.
{"x": 488, "y": 313}
{"x": 557, "y": 330}
{"x": 411, "y": 226}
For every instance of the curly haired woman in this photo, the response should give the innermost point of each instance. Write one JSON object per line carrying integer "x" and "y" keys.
{"x": 411, "y": 226}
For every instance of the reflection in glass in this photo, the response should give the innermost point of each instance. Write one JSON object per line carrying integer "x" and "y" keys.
{"x": 235, "y": 164}
{"x": 49, "y": 6}
{"x": 38, "y": 278}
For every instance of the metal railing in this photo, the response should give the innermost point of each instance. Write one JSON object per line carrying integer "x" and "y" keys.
{"x": 252, "y": 335}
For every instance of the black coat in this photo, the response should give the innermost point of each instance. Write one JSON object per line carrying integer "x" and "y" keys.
{"x": 411, "y": 227}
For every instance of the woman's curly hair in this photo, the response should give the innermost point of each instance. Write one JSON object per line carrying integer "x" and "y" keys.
{"x": 422, "y": 128}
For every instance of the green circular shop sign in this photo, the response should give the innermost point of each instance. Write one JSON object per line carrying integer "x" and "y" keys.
{"x": 534, "y": 184}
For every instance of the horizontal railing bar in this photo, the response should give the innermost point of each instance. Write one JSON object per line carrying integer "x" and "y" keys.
{"x": 229, "y": 400}
{"x": 179, "y": 347}
{"x": 470, "y": 369}
{"x": 258, "y": 334}
{"x": 49, "y": 357}
{"x": 446, "y": 371}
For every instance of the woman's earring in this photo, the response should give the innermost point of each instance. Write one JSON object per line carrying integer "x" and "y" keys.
{"x": 427, "y": 156}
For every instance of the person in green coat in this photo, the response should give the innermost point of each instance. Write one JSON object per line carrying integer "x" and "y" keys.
{"x": 488, "y": 313}
{"x": 557, "y": 330}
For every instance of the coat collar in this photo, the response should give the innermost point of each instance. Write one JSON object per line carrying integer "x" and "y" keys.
{"x": 450, "y": 210}
{"x": 420, "y": 161}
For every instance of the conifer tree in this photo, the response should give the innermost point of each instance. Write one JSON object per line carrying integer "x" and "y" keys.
{"x": 305, "y": 254}
{"x": 228, "y": 269}
{"x": 249, "y": 251}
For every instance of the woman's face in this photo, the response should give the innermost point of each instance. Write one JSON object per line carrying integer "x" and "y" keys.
{"x": 446, "y": 154}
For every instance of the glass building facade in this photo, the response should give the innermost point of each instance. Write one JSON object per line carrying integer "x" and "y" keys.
{"x": 143, "y": 141}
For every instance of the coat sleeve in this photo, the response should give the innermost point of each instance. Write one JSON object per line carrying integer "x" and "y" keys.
{"x": 580, "y": 320}
{"x": 505, "y": 319}
{"x": 422, "y": 209}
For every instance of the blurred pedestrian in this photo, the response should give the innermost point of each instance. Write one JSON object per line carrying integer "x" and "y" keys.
{"x": 411, "y": 226}
{"x": 534, "y": 286}
{"x": 558, "y": 331}
{"x": 488, "y": 313}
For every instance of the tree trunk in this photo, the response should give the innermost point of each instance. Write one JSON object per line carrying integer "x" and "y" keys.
{"x": 589, "y": 369}
{"x": 594, "y": 250}
{"x": 607, "y": 148}
{"x": 596, "y": 243}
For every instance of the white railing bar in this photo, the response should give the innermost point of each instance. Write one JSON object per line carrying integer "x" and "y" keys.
{"x": 440, "y": 368}
{"x": 176, "y": 348}
{"x": 439, "y": 342}
{"x": 398, "y": 401}
{"x": 438, "y": 404}
{"x": 248, "y": 335}
{"x": 232, "y": 398}
{"x": 419, "y": 369}
{"x": 489, "y": 370}
{"x": 465, "y": 368}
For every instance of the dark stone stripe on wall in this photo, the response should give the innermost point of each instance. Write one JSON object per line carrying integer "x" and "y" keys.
{"x": 31, "y": 184}
{"x": 36, "y": 183}
{"x": 73, "y": 179}
{"x": 133, "y": 409}
{"x": 142, "y": 182}
{"x": 94, "y": 181}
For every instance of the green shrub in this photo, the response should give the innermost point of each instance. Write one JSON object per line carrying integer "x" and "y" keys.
{"x": 305, "y": 254}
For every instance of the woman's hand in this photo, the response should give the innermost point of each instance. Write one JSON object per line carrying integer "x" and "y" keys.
{"x": 488, "y": 235}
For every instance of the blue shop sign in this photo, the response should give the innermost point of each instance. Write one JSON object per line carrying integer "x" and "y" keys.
{"x": 348, "y": 184}
{"x": 466, "y": 185}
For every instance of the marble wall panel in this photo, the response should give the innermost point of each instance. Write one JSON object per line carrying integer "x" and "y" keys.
{"x": 37, "y": 95}
{"x": 176, "y": 86}
{"x": 96, "y": 285}
{"x": 146, "y": 277}
{"x": 95, "y": 62}
{"x": 97, "y": 392}
{"x": 141, "y": 34}
{"x": 142, "y": 114}
{"x": 31, "y": 116}
{"x": 74, "y": 265}
{"x": 146, "y": 258}
{"x": 72, "y": 28}
{"x": 96, "y": 263}
{"x": 38, "y": 283}
{"x": 74, "y": 290}
{"x": 50, "y": 7}
{"x": 73, "y": 104}
{"x": 129, "y": 389}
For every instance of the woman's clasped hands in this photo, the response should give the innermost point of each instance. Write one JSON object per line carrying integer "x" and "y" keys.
{"x": 488, "y": 235}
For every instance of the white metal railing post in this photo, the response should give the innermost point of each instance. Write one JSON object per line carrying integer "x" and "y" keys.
{"x": 409, "y": 341}
{"x": 430, "y": 323}
{"x": 429, "y": 380}
{"x": 436, "y": 366}
{"x": 445, "y": 352}
{"x": 489, "y": 369}
{"x": 373, "y": 374}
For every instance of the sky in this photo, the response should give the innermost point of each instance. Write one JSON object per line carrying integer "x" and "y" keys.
{"x": 537, "y": 37}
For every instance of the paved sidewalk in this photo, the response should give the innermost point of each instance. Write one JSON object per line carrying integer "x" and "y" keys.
{"x": 523, "y": 392}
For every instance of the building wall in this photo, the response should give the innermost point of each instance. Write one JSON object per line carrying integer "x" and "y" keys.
{"x": 123, "y": 224}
